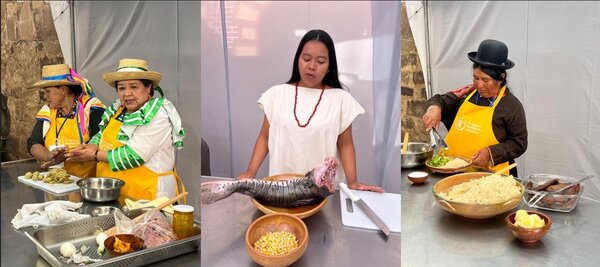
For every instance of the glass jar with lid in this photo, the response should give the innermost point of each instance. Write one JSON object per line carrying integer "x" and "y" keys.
{"x": 183, "y": 221}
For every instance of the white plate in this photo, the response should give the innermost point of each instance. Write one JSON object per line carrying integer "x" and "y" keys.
{"x": 58, "y": 189}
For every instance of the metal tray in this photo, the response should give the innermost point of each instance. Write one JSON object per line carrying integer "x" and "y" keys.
{"x": 48, "y": 241}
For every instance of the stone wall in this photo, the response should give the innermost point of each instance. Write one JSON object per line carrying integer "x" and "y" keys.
{"x": 29, "y": 41}
{"x": 413, "y": 86}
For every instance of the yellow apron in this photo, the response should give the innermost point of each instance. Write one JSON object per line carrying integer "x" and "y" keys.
{"x": 69, "y": 135}
{"x": 140, "y": 182}
{"x": 472, "y": 130}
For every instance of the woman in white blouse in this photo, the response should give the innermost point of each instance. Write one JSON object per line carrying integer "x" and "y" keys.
{"x": 138, "y": 135}
{"x": 309, "y": 118}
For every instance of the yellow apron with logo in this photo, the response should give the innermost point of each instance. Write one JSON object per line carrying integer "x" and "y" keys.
{"x": 69, "y": 135}
{"x": 140, "y": 182}
{"x": 472, "y": 130}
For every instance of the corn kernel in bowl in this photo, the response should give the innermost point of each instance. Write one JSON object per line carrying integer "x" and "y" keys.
{"x": 276, "y": 243}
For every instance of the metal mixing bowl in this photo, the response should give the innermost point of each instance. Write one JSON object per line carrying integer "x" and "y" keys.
{"x": 100, "y": 189}
{"x": 418, "y": 153}
{"x": 104, "y": 210}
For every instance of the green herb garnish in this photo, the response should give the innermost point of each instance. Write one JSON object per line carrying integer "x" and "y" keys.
{"x": 439, "y": 160}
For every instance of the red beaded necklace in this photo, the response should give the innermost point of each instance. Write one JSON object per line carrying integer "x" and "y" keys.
{"x": 315, "y": 110}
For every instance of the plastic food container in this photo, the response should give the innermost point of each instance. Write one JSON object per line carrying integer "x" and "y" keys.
{"x": 564, "y": 201}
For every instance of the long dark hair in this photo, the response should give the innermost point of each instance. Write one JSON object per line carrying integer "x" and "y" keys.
{"x": 75, "y": 89}
{"x": 331, "y": 78}
{"x": 494, "y": 73}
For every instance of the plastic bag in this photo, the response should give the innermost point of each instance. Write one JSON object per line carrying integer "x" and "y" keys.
{"x": 123, "y": 223}
{"x": 155, "y": 229}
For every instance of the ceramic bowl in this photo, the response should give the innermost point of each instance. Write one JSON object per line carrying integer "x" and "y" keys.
{"x": 273, "y": 223}
{"x": 136, "y": 244}
{"x": 472, "y": 211}
{"x": 528, "y": 235}
{"x": 418, "y": 177}
{"x": 300, "y": 212}
{"x": 449, "y": 170}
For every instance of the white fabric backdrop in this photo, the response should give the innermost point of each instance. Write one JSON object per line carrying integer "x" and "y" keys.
{"x": 262, "y": 38}
{"x": 166, "y": 34}
{"x": 61, "y": 15}
{"x": 555, "y": 46}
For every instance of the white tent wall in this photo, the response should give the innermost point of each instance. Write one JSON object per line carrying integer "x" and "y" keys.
{"x": 261, "y": 39}
{"x": 556, "y": 76}
{"x": 167, "y": 35}
{"x": 61, "y": 15}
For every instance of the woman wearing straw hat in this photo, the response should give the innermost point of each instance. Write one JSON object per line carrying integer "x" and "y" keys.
{"x": 487, "y": 121}
{"x": 138, "y": 135}
{"x": 70, "y": 118}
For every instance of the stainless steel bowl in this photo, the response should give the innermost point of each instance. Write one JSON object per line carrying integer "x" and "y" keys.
{"x": 418, "y": 153}
{"x": 100, "y": 189}
{"x": 104, "y": 210}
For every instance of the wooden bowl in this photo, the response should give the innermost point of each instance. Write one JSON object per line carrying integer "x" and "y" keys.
{"x": 472, "y": 211}
{"x": 273, "y": 223}
{"x": 300, "y": 212}
{"x": 528, "y": 235}
{"x": 449, "y": 170}
{"x": 418, "y": 177}
{"x": 136, "y": 244}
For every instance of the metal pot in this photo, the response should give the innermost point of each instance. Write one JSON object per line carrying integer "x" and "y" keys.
{"x": 100, "y": 189}
{"x": 418, "y": 153}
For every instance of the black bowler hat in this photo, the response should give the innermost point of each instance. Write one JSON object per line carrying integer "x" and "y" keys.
{"x": 492, "y": 54}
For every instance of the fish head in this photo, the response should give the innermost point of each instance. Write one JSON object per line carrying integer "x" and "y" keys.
{"x": 324, "y": 174}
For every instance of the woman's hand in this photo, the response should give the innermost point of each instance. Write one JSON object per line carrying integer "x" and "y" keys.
{"x": 246, "y": 175}
{"x": 54, "y": 157}
{"x": 366, "y": 187}
{"x": 432, "y": 117}
{"x": 482, "y": 157}
{"x": 84, "y": 152}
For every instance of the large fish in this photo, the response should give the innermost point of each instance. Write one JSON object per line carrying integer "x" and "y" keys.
{"x": 314, "y": 187}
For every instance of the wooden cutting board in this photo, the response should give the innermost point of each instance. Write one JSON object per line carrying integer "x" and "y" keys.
{"x": 385, "y": 205}
{"x": 57, "y": 189}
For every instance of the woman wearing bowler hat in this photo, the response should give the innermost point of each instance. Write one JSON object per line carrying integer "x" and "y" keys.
{"x": 486, "y": 121}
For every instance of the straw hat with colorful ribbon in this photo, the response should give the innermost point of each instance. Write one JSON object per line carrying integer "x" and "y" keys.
{"x": 55, "y": 75}
{"x": 62, "y": 74}
{"x": 133, "y": 69}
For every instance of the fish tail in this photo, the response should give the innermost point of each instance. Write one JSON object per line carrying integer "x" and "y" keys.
{"x": 211, "y": 192}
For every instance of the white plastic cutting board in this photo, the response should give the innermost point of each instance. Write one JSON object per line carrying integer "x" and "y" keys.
{"x": 385, "y": 205}
{"x": 52, "y": 188}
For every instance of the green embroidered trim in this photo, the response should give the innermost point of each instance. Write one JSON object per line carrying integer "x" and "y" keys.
{"x": 145, "y": 114}
{"x": 106, "y": 116}
{"x": 96, "y": 138}
{"x": 124, "y": 158}
{"x": 160, "y": 91}
{"x": 122, "y": 137}
{"x": 178, "y": 144}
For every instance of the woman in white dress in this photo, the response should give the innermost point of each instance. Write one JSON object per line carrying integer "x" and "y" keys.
{"x": 309, "y": 118}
